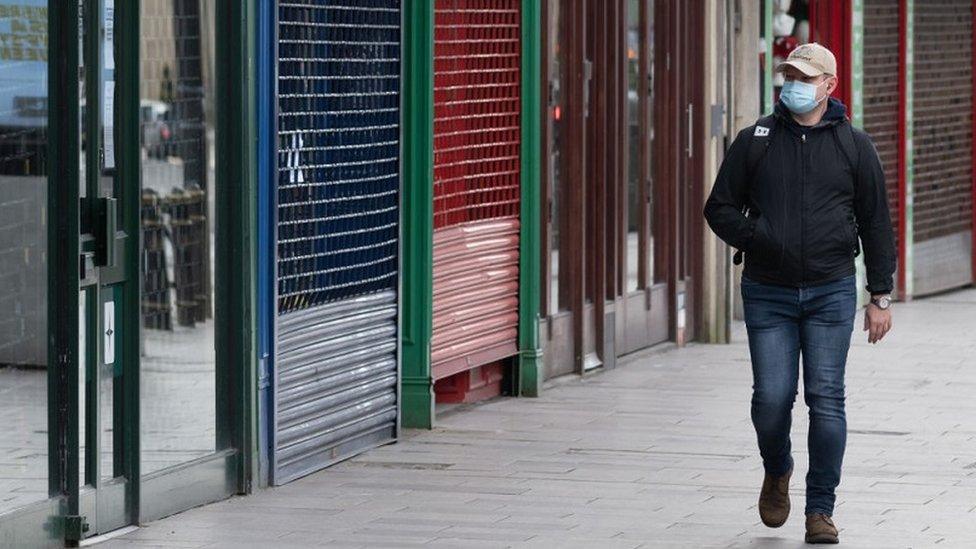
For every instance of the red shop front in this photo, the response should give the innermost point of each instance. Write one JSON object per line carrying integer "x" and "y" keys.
{"x": 476, "y": 196}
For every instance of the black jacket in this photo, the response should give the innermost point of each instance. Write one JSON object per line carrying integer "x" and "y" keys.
{"x": 806, "y": 206}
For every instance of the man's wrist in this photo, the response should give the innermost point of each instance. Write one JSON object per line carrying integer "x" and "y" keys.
{"x": 881, "y": 301}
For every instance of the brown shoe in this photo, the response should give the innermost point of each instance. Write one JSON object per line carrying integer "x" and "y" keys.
{"x": 774, "y": 500}
{"x": 821, "y": 529}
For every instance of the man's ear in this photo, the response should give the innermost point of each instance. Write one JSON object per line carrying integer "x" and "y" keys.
{"x": 831, "y": 84}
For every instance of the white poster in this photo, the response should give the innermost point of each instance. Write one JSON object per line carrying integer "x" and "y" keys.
{"x": 108, "y": 124}
{"x": 108, "y": 100}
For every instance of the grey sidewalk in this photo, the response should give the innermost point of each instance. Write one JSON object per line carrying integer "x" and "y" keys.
{"x": 657, "y": 453}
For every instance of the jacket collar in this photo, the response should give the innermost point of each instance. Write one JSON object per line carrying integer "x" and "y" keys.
{"x": 836, "y": 113}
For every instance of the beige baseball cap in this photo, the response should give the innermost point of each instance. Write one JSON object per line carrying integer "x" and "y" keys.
{"x": 811, "y": 59}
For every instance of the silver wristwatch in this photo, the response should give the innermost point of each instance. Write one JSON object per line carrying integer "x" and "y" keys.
{"x": 882, "y": 301}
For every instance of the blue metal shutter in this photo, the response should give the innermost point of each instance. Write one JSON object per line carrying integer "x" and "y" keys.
{"x": 336, "y": 360}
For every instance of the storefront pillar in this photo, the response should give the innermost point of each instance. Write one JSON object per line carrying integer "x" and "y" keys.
{"x": 417, "y": 394}
{"x": 530, "y": 352}
{"x": 906, "y": 163}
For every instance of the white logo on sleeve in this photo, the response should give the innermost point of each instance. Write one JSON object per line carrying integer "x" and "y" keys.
{"x": 761, "y": 131}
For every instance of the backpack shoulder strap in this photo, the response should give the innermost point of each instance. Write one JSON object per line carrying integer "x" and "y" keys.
{"x": 761, "y": 137}
{"x": 844, "y": 134}
{"x": 758, "y": 145}
{"x": 845, "y": 137}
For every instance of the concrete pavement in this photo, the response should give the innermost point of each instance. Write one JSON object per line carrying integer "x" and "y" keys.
{"x": 657, "y": 453}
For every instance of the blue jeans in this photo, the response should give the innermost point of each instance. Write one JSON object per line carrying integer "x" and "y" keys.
{"x": 784, "y": 323}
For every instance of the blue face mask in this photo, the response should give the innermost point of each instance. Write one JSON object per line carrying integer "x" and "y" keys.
{"x": 800, "y": 97}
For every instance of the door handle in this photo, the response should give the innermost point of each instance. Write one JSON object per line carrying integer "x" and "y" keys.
{"x": 587, "y": 80}
{"x": 105, "y": 250}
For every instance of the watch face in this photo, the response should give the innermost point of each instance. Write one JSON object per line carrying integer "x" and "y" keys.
{"x": 883, "y": 302}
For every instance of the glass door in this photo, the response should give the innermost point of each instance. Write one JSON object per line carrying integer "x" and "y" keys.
{"x": 177, "y": 337}
{"x": 190, "y": 364}
{"x": 570, "y": 313}
{"x": 558, "y": 257}
{"x": 154, "y": 432}
{"x": 642, "y": 310}
{"x": 31, "y": 479}
{"x": 108, "y": 254}
{"x": 59, "y": 180}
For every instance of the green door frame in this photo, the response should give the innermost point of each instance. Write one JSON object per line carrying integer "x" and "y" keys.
{"x": 417, "y": 389}
{"x": 102, "y": 508}
{"x": 237, "y": 176}
{"x": 530, "y": 241}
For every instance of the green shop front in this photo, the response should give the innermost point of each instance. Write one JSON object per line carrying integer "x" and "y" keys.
{"x": 126, "y": 263}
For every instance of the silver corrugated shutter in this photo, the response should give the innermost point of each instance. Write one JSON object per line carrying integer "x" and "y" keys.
{"x": 336, "y": 382}
{"x": 336, "y": 360}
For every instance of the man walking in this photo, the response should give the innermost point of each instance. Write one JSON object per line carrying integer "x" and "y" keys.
{"x": 795, "y": 193}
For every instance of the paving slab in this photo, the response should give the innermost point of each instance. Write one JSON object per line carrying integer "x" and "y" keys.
{"x": 658, "y": 452}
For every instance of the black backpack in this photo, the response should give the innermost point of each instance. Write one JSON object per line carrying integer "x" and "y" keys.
{"x": 759, "y": 145}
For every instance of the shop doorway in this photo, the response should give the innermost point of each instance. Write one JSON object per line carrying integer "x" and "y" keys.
{"x": 621, "y": 225}
{"x": 110, "y": 157}
{"x": 334, "y": 211}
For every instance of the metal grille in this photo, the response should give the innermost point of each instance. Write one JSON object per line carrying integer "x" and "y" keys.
{"x": 881, "y": 100}
{"x": 943, "y": 118}
{"x": 338, "y": 152}
{"x": 338, "y": 182}
{"x": 476, "y": 110}
{"x": 476, "y": 183}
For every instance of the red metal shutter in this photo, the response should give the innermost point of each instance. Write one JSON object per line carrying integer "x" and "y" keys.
{"x": 943, "y": 118}
{"x": 881, "y": 32}
{"x": 476, "y": 183}
{"x": 830, "y": 24}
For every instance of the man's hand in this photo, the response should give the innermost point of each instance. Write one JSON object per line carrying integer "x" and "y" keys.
{"x": 877, "y": 322}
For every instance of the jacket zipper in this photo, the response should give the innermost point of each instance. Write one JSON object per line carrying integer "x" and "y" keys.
{"x": 803, "y": 180}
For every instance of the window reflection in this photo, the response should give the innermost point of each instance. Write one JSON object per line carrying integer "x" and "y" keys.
{"x": 178, "y": 395}
{"x": 634, "y": 156}
{"x": 23, "y": 249}
{"x": 557, "y": 14}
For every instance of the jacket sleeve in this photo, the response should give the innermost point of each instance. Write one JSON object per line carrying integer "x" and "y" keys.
{"x": 873, "y": 219}
{"x": 723, "y": 209}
